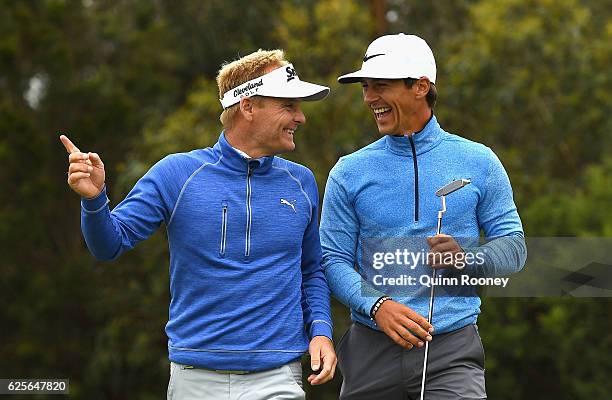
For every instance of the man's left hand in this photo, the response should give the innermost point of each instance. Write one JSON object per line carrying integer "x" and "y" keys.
{"x": 322, "y": 357}
{"x": 445, "y": 252}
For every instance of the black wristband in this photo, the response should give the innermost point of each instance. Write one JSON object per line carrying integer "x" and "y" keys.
{"x": 377, "y": 305}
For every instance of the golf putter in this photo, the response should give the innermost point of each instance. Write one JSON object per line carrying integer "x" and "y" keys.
{"x": 441, "y": 193}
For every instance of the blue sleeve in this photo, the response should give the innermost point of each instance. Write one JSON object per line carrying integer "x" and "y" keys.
{"x": 315, "y": 292}
{"x": 339, "y": 236}
{"x": 505, "y": 252}
{"x": 108, "y": 234}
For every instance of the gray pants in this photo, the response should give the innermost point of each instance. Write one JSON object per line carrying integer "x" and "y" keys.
{"x": 374, "y": 367}
{"x": 188, "y": 383}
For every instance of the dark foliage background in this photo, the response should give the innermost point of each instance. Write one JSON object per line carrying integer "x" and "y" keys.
{"x": 134, "y": 81}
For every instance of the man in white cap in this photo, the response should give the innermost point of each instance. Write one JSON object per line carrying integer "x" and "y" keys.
{"x": 248, "y": 294}
{"x": 379, "y": 219}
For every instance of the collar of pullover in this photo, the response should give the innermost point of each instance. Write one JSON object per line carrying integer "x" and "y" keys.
{"x": 424, "y": 140}
{"x": 237, "y": 162}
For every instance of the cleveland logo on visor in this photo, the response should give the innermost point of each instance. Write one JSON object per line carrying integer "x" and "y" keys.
{"x": 283, "y": 82}
{"x": 248, "y": 88}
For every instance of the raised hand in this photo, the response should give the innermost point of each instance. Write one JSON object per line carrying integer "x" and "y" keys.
{"x": 85, "y": 171}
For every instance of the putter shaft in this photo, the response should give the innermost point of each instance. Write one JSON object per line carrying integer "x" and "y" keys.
{"x": 442, "y": 192}
{"x": 431, "y": 299}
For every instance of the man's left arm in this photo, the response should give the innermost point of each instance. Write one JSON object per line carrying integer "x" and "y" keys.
{"x": 316, "y": 297}
{"x": 505, "y": 251}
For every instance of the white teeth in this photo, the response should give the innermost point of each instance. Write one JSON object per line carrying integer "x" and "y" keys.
{"x": 381, "y": 110}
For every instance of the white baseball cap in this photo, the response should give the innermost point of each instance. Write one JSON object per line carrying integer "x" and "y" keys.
{"x": 283, "y": 82}
{"x": 395, "y": 57}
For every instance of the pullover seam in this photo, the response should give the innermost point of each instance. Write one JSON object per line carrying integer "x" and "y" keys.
{"x": 301, "y": 189}
{"x": 234, "y": 351}
{"x": 98, "y": 210}
{"x": 321, "y": 321}
{"x": 178, "y": 200}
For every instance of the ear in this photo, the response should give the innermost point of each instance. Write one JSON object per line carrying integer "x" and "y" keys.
{"x": 421, "y": 87}
{"x": 246, "y": 108}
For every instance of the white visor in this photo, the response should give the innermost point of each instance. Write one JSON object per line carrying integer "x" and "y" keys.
{"x": 283, "y": 82}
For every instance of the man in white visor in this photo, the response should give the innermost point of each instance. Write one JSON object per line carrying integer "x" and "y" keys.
{"x": 248, "y": 294}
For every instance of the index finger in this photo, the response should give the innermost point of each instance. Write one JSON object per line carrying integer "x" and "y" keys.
{"x": 420, "y": 320}
{"x": 323, "y": 375}
{"x": 70, "y": 147}
{"x": 439, "y": 238}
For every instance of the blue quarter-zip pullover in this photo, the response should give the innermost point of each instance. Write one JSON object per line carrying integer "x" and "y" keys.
{"x": 246, "y": 283}
{"x": 383, "y": 196}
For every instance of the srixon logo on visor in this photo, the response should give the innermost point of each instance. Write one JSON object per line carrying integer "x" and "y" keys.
{"x": 290, "y": 73}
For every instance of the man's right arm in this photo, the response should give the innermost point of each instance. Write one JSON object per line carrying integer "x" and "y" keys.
{"x": 339, "y": 231}
{"x": 339, "y": 235}
{"x": 108, "y": 234}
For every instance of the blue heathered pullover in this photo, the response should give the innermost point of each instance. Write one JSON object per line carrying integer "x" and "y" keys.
{"x": 386, "y": 191}
{"x": 246, "y": 284}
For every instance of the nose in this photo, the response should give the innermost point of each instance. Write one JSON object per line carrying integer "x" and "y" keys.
{"x": 299, "y": 117}
{"x": 369, "y": 96}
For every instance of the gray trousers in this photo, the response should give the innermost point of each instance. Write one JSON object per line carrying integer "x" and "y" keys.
{"x": 374, "y": 367}
{"x": 187, "y": 383}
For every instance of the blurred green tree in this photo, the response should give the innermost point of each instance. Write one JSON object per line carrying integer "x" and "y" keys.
{"x": 134, "y": 81}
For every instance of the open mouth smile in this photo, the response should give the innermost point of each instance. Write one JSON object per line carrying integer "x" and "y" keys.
{"x": 381, "y": 112}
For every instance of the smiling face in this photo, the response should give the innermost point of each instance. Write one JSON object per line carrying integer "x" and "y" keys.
{"x": 394, "y": 105}
{"x": 274, "y": 123}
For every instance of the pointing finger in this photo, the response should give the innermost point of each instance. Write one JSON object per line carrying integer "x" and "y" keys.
{"x": 70, "y": 147}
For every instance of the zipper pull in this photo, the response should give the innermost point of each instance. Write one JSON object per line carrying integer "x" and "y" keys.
{"x": 249, "y": 170}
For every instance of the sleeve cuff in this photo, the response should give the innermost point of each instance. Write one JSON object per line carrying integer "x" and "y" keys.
{"x": 95, "y": 204}
{"x": 321, "y": 328}
{"x": 370, "y": 298}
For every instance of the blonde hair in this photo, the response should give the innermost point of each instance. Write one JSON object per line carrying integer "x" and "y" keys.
{"x": 239, "y": 71}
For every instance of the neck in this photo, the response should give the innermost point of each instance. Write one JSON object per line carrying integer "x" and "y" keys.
{"x": 418, "y": 122}
{"x": 240, "y": 140}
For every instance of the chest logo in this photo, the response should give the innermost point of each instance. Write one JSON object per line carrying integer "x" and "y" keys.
{"x": 289, "y": 203}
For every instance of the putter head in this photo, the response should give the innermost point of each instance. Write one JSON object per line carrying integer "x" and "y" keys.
{"x": 451, "y": 187}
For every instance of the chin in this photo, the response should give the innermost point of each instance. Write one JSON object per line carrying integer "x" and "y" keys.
{"x": 384, "y": 131}
{"x": 287, "y": 148}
